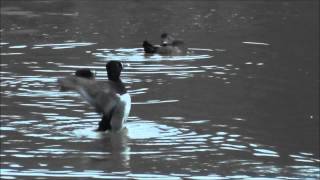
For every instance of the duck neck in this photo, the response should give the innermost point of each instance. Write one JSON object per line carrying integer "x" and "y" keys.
{"x": 114, "y": 78}
{"x": 118, "y": 85}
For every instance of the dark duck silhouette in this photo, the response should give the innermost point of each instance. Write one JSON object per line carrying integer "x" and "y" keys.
{"x": 169, "y": 46}
{"x": 108, "y": 98}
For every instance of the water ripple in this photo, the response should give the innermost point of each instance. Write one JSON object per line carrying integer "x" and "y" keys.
{"x": 66, "y": 45}
{"x": 137, "y": 54}
{"x": 44, "y": 123}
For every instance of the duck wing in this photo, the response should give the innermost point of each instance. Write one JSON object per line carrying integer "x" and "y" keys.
{"x": 100, "y": 95}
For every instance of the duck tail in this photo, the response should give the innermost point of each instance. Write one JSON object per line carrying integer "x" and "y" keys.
{"x": 148, "y": 48}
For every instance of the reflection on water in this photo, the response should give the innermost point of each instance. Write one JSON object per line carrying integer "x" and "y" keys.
{"x": 62, "y": 45}
{"x": 232, "y": 108}
{"x": 137, "y": 54}
{"x": 257, "y": 43}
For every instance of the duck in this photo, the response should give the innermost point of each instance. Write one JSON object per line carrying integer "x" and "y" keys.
{"x": 110, "y": 98}
{"x": 168, "y": 46}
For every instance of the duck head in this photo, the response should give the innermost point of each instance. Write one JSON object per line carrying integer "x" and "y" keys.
{"x": 114, "y": 69}
{"x": 166, "y": 39}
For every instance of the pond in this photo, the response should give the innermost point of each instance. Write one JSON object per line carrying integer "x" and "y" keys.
{"x": 243, "y": 103}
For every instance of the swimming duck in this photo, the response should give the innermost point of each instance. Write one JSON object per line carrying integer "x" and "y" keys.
{"x": 169, "y": 46}
{"x": 108, "y": 98}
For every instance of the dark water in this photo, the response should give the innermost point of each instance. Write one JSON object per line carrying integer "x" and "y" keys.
{"x": 244, "y": 104}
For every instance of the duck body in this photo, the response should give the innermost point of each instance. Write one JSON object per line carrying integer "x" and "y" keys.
{"x": 121, "y": 112}
{"x": 169, "y": 46}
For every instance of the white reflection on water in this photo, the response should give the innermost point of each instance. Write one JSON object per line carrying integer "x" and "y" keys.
{"x": 265, "y": 152}
{"x": 157, "y": 101}
{"x": 18, "y": 47}
{"x": 3, "y": 43}
{"x": 64, "y": 45}
{"x": 143, "y": 129}
{"x": 256, "y": 43}
{"x": 56, "y": 174}
{"x": 304, "y": 157}
{"x": 8, "y": 54}
{"x": 137, "y": 54}
{"x": 8, "y": 173}
{"x": 3, "y": 128}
